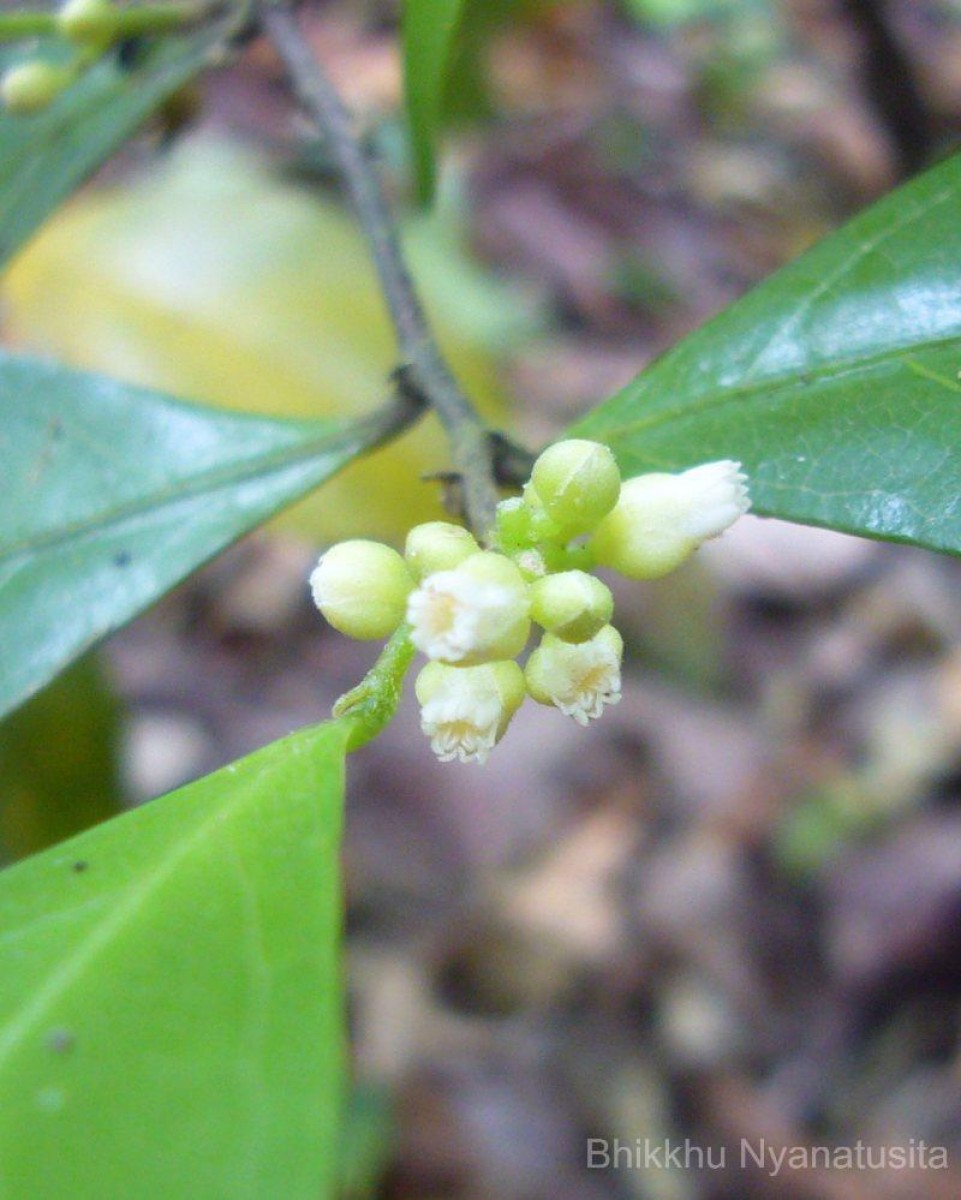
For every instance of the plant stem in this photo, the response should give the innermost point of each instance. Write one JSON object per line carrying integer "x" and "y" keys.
{"x": 371, "y": 704}
{"x": 125, "y": 22}
{"x": 389, "y": 421}
{"x": 17, "y": 25}
{"x": 423, "y": 370}
{"x": 154, "y": 18}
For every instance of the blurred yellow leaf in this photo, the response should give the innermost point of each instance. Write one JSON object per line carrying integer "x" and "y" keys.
{"x": 213, "y": 279}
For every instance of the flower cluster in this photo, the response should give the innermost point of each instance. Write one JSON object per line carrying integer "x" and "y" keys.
{"x": 470, "y": 610}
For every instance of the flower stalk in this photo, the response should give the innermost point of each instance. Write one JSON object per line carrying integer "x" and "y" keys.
{"x": 423, "y": 369}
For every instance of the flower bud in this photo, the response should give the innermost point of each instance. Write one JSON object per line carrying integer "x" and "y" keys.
{"x": 87, "y": 21}
{"x": 531, "y": 563}
{"x": 32, "y": 86}
{"x": 577, "y": 679}
{"x": 578, "y": 483}
{"x": 660, "y": 520}
{"x": 465, "y": 710}
{"x": 572, "y": 605}
{"x": 438, "y": 546}
{"x": 512, "y": 524}
{"x": 476, "y": 613}
{"x": 522, "y": 525}
{"x": 361, "y": 588}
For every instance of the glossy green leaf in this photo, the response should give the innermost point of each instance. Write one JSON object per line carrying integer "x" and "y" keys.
{"x": 429, "y": 28}
{"x": 836, "y": 382}
{"x": 44, "y": 157}
{"x": 59, "y": 763}
{"x": 170, "y": 1008}
{"x": 113, "y": 494}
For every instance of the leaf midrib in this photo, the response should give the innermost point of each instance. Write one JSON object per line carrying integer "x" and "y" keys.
{"x": 837, "y": 369}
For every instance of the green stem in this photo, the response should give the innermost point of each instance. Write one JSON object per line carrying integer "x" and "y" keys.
{"x": 154, "y": 18}
{"x": 371, "y": 704}
{"x": 393, "y": 418}
{"x": 14, "y": 27}
{"x": 125, "y": 22}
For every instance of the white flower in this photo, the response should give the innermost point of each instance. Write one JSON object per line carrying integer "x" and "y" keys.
{"x": 712, "y": 497}
{"x": 466, "y": 710}
{"x": 579, "y": 679}
{"x": 660, "y": 520}
{"x": 450, "y": 613}
{"x": 477, "y": 612}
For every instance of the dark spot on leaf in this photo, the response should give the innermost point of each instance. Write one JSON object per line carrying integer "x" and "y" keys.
{"x": 60, "y": 1041}
{"x": 122, "y": 559}
{"x": 79, "y": 866}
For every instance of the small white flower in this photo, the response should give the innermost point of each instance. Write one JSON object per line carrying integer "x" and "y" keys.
{"x": 461, "y": 726}
{"x": 579, "y": 679}
{"x": 712, "y": 497}
{"x": 660, "y": 520}
{"x": 450, "y": 613}
{"x": 465, "y": 710}
{"x": 477, "y": 612}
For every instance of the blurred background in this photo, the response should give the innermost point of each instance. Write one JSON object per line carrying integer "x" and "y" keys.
{"x": 732, "y": 909}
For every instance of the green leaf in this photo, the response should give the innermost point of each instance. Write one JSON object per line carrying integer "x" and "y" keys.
{"x": 836, "y": 382}
{"x": 429, "y": 28}
{"x": 44, "y": 157}
{"x": 59, "y": 763}
{"x": 171, "y": 1010}
{"x": 112, "y": 494}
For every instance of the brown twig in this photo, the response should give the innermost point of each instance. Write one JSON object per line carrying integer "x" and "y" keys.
{"x": 423, "y": 372}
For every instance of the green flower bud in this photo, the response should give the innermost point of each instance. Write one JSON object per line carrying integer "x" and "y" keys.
{"x": 512, "y": 524}
{"x": 579, "y": 680}
{"x": 477, "y": 613}
{"x": 522, "y": 522}
{"x": 32, "y": 86}
{"x": 660, "y": 520}
{"x": 438, "y": 546}
{"x": 578, "y": 483}
{"x": 361, "y": 588}
{"x": 532, "y": 563}
{"x": 88, "y": 21}
{"x": 466, "y": 710}
{"x": 572, "y": 605}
